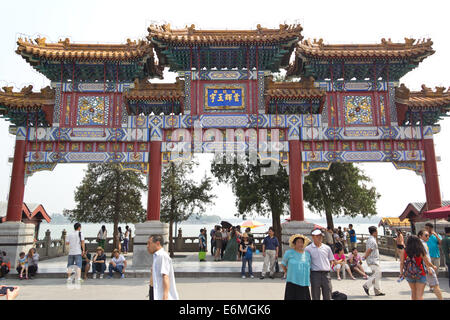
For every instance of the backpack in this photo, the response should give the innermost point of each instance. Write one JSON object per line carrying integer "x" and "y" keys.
{"x": 336, "y": 295}
{"x": 411, "y": 269}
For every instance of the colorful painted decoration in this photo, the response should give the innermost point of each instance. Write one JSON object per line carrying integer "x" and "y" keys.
{"x": 92, "y": 110}
{"x": 358, "y": 110}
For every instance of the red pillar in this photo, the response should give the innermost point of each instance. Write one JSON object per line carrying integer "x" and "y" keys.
{"x": 154, "y": 182}
{"x": 295, "y": 181}
{"x": 432, "y": 190}
{"x": 17, "y": 187}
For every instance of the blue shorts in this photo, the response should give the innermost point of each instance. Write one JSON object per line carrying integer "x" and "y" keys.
{"x": 74, "y": 260}
{"x": 422, "y": 279}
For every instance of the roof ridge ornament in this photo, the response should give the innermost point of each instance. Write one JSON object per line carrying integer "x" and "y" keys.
{"x": 27, "y": 90}
{"x": 8, "y": 89}
{"x": 40, "y": 41}
{"x": 191, "y": 29}
{"x": 65, "y": 42}
{"x": 428, "y": 92}
{"x": 402, "y": 92}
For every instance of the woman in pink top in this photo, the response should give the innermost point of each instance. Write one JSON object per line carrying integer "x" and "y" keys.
{"x": 339, "y": 264}
{"x": 355, "y": 262}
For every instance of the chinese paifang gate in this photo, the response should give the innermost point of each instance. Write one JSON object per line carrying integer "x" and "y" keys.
{"x": 344, "y": 103}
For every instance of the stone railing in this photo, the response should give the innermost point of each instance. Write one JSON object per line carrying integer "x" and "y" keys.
{"x": 48, "y": 248}
{"x": 190, "y": 244}
{"x": 92, "y": 244}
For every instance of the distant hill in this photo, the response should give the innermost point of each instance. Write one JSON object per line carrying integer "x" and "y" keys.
{"x": 58, "y": 218}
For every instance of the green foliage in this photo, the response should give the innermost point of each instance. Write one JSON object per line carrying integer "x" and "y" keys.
{"x": 182, "y": 197}
{"x": 108, "y": 194}
{"x": 267, "y": 195}
{"x": 340, "y": 191}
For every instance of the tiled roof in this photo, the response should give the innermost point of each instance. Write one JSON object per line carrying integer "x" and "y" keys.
{"x": 65, "y": 50}
{"x": 191, "y": 35}
{"x": 386, "y": 49}
{"x": 144, "y": 90}
{"x": 424, "y": 98}
{"x": 26, "y": 98}
{"x": 418, "y": 207}
{"x": 303, "y": 89}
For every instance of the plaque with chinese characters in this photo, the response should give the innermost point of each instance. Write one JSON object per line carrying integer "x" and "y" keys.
{"x": 224, "y": 97}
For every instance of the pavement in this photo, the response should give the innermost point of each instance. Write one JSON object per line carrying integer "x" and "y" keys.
{"x": 201, "y": 289}
{"x": 196, "y": 280}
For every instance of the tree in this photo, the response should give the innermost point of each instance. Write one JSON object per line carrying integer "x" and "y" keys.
{"x": 267, "y": 195}
{"x": 341, "y": 190}
{"x": 108, "y": 194}
{"x": 181, "y": 197}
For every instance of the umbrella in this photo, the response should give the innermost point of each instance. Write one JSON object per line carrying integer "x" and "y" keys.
{"x": 225, "y": 224}
{"x": 251, "y": 224}
{"x": 439, "y": 213}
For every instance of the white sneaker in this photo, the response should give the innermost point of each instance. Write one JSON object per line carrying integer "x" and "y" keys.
{"x": 101, "y": 276}
{"x": 94, "y": 276}
{"x": 243, "y": 277}
{"x": 252, "y": 277}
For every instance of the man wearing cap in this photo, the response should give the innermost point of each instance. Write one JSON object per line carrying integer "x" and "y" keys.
{"x": 321, "y": 259}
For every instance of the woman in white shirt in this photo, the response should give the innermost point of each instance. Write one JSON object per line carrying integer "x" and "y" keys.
{"x": 101, "y": 237}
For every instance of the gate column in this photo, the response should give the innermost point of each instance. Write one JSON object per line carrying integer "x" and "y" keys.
{"x": 16, "y": 236}
{"x": 295, "y": 181}
{"x": 152, "y": 225}
{"x": 17, "y": 186}
{"x": 297, "y": 223}
{"x": 154, "y": 182}
{"x": 432, "y": 189}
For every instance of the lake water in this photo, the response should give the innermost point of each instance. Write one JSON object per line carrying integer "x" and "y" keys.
{"x": 189, "y": 230}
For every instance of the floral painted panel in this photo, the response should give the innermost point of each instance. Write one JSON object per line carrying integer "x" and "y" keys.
{"x": 358, "y": 110}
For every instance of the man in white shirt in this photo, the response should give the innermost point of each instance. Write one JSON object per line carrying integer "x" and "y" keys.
{"x": 75, "y": 241}
{"x": 321, "y": 259}
{"x": 372, "y": 257}
{"x": 163, "y": 278}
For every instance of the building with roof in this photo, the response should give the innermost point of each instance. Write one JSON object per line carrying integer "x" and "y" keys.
{"x": 32, "y": 213}
{"x": 413, "y": 213}
{"x": 342, "y": 103}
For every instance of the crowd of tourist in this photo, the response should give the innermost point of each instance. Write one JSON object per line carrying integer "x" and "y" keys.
{"x": 307, "y": 265}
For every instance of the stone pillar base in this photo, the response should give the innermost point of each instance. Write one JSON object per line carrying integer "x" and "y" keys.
{"x": 293, "y": 227}
{"x": 141, "y": 258}
{"x": 16, "y": 237}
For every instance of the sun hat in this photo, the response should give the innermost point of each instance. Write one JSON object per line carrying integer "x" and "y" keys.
{"x": 245, "y": 235}
{"x": 316, "y": 232}
{"x": 100, "y": 248}
{"x": 306, "y": 241}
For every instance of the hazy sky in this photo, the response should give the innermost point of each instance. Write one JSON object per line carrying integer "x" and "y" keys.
{"x": 334, "y": 21}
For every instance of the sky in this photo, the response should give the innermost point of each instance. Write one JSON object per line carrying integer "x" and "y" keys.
{"x": 335, "y": 21}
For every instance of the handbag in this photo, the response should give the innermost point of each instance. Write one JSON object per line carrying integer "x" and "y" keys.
{"x": 277, "y": 266}
{"x": 202, "y": 255}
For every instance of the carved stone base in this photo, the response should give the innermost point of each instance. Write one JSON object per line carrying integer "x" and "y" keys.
{"x": 16, "y": 237}
{"x": 141, "y": 258}
{"x": 293, "y": 227}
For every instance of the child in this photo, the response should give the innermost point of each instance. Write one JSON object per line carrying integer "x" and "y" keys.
{"x": 340, "y": 263}
{"x": 246, "y": 248}
{"x": 23, "y": 264}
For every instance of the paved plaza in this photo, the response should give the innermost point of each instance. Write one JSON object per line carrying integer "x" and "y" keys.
{"x": 201, "y": 289}
{"x": 198, "y": 281}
